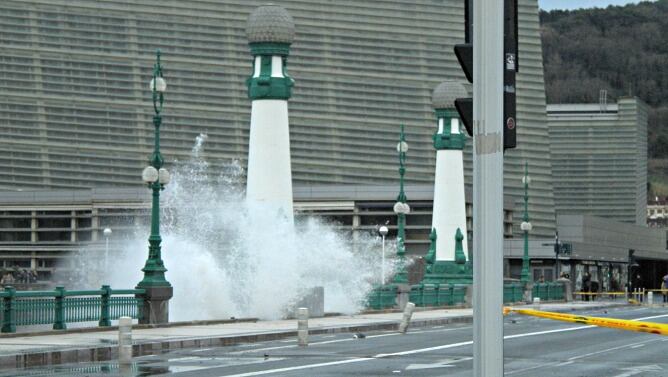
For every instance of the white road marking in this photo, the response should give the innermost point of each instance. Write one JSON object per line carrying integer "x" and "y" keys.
{"x": 566, "y": 363}
{"x": 610, "y": 349}
{"x": 300, "y": 367}
{"x": 638, "y": 345}
{"x": 183, "y": 358}
{"x": 632, "y": 371}
{"x": 311, "y": 344}
{"x": 202, "y": 350}
{"x": 445, "y": 363}
{"x": 411, "y": 352}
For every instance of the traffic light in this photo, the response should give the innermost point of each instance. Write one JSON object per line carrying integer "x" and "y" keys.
{"x": 464, "y": 53}
{"x": 510, "y": 68}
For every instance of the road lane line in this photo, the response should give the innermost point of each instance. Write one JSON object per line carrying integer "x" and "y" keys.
{"x": 338, "y": 341}
{"x": 572, "y": 359}
{"x": 411, "y": 352}
{"x": 311, "y": 344}
{"x": 300, "y": 367}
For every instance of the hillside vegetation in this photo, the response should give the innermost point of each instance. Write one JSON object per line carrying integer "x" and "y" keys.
{"x": 623, "y": 49}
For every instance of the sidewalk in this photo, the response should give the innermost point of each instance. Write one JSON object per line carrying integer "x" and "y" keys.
{"x": 55, "y": 347}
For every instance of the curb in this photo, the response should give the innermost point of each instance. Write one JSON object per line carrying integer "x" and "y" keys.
{"x": 81, "y": 330}
{"x": 110, "y": 352}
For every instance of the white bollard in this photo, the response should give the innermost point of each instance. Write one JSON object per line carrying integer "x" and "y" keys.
{"x": 302, "y": 327}
{"x": 125, "y": 340}
{"x": 650, "y": 298}
{"x": 536, "y": 303}
{"x": 406, "y": 320}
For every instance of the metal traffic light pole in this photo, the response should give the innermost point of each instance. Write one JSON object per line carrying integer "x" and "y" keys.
{"x": 488, "y": 78}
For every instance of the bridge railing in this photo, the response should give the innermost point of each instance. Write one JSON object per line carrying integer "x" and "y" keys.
{"x": 549, "y": 291}
{"x": 60, "y": 306}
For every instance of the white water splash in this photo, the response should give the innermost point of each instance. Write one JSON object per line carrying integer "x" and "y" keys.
{"x": 225, "y": 258}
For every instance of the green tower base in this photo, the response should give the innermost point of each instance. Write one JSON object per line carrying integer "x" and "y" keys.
{"x": 448, "y": 272}
{"x": 458, "y": 271}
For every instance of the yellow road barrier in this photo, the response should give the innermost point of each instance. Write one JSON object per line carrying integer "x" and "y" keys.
{"x": 620, "y": 324}
{"x": 600, "y": 293}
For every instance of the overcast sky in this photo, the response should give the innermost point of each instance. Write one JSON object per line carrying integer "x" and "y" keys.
{"x": 575, "y": 4}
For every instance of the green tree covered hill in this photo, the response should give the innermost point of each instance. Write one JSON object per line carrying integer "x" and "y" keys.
{"x": 623, "y": 49}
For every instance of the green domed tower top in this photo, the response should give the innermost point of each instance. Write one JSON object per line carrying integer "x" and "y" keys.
{"x": 270, "y": 30}
{"x": 443, "y": 101}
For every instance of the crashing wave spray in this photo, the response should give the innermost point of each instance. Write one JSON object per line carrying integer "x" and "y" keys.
{"x": 225, "y": 258}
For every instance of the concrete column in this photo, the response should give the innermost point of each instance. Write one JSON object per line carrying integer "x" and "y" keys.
{"x": 302, "y": 327}
{"x": 33, "y": 260}
{"x": 125, "y": 340}
{"x": 406, "y": 319}
{"x": 94, "y": 224}
{"x": 33, "y": 227}
{"x": 73, "y": 226}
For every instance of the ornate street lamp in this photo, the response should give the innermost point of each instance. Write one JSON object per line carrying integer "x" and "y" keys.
{"x": 401, "y": 208}
{"x": 158, "y": 289}
{"x": 526, "y": 226}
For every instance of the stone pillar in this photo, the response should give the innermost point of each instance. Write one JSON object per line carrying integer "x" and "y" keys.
{"x": 403, "y": 292}
{"x": 528, "y": 292}
{"x": 568, "y": 288}
{"x": 156, "y": 305}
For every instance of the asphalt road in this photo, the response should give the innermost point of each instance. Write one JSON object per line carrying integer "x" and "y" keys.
{"x": 533, "y": 347}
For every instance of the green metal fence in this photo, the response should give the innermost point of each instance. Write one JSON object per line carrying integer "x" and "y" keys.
{"x": 382, "y": 297}
{"x": 513, "y": 292}
{"x": 60, "y": 306}
{"x": 548, "y": 291}
{"x": 426, "y": 295}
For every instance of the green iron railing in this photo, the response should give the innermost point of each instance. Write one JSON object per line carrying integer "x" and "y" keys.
{"x": 382, "y": 297}
{"x": 513, "y": 292}
{"x": 549, "y": 291}
{"x": 435, "y": 295}
{"x": 60, "y": 306}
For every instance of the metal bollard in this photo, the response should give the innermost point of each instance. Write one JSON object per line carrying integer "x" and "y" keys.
{"x": 125, "y": 340}
{"x": 536, "y": 303}
{"x": 406, "y": 320}
{"x": 650, "y": 298}
{"x": 302, "y": 327}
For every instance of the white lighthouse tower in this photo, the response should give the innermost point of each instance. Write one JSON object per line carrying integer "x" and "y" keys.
{"x": 449, "y": 211}
{"x": 270, "y": 32}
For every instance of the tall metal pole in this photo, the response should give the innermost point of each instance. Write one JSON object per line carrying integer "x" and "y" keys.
{"x": 488, "y": 188}
{"x": 382, "y": 263}
{"x": 154, "y": 269}
{"x": 556, "y": 254}
{"x": 401, "y": 208}
{"x": 526, "y": 227}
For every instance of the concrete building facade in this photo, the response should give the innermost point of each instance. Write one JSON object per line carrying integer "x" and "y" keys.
{"x": 76, "y": 111}
{"x": 599, "y": 159}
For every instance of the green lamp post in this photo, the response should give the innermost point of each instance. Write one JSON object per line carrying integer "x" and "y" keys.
{"x": 158, "y": 290}
{"x": 526, "y": 226}
{"x": 401, "y": 208}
